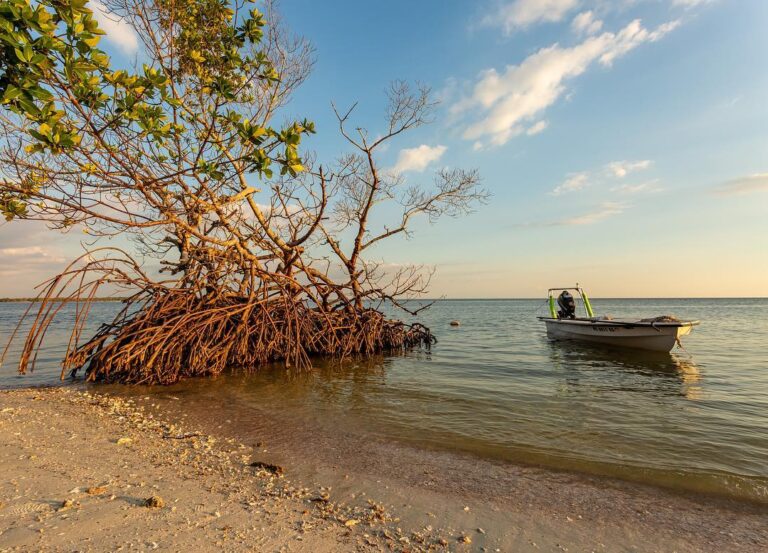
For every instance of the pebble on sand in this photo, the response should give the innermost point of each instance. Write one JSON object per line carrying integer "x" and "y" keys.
{"x": 66, "y": 504}
{"x": 351, "y": 522}
{"x": 277, "y": 470}
{"x": 155, "y": 502}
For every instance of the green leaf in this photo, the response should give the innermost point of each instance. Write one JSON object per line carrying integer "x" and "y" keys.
{"x": 11, "y": 93}
{"x": 29, "y": 107}
{"x": 39, "y": 60}
{"x": 92, "y": 41}
{"x": 78, "y": 5}
{"x": 12, "y": 209}
{"x": 40, "y": 93}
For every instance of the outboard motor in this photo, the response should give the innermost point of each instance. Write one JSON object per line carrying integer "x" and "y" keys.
{"x": 567, "y": 306}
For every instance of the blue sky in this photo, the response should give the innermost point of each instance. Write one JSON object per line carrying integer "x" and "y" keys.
{"x": 624, "y": 142}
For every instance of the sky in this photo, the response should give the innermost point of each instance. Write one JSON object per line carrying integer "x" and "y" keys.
{"x": 624, "y": 143}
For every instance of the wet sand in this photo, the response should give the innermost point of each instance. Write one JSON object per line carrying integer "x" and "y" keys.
{"x": 59, "y": 443}
{"x": 519, "y": 507}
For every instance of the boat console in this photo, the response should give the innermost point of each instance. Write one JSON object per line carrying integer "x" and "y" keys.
{"x": 567, "y": 305}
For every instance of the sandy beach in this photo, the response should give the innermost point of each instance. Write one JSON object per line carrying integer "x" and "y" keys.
{"x": 92, "y": 472}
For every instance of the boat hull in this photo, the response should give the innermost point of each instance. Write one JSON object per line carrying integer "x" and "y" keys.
{"x": 659, "y": 337}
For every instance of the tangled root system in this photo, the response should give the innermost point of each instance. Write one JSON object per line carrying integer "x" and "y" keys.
{"x": 173, "y": 335}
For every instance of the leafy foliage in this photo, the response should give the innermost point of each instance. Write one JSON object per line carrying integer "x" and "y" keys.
{"x": 68, "y": 97}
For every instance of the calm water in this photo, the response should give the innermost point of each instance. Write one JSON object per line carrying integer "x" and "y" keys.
{"x": 497, "y": 388}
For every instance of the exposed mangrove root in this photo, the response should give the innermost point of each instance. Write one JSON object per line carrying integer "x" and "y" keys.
{"x": 177, "y": 335}
{"x": 165, "y": 334}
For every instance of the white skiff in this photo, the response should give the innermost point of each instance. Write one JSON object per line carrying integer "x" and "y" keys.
{"x": 656, "y": 334}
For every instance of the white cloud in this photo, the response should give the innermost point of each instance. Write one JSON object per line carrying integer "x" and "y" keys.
{"x": 269, "y": 210}
{"x": 537, "y": 127}
{"x": 614, "y": 170}
{"x": 605, "y": 210}
{"x": 520, "y": 14}
{"x": 118, "y": 31}
{"x": 21, "y": 252}
{"x": 417, "y": 159}
{"x": 621, "y": 169}
{"x": 690, "y": 3}
{"x": 31, "y": 253}
{"x": 25, "y": 267}
{"x": 744, "y": 185}
{"x": 586, "y": 24}
{"x": 506, "y": 100}
{"x": 573, "y": 183}
{"x": 599, "y": 213}
{"x": 644, "y": 187}
{"x": 632, "y": 36}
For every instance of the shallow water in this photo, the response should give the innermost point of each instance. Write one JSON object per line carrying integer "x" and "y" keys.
{"x": 495, "y": 387}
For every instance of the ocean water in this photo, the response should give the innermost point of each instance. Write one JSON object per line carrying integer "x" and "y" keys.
{"x": 498, "y": 389}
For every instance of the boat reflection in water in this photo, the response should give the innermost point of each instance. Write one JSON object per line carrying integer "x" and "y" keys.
{"x": 657, "y": 372}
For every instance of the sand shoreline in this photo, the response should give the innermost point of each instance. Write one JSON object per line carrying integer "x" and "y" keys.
{"x": 57, "y": 443}
{"x": 80, "y": 467}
